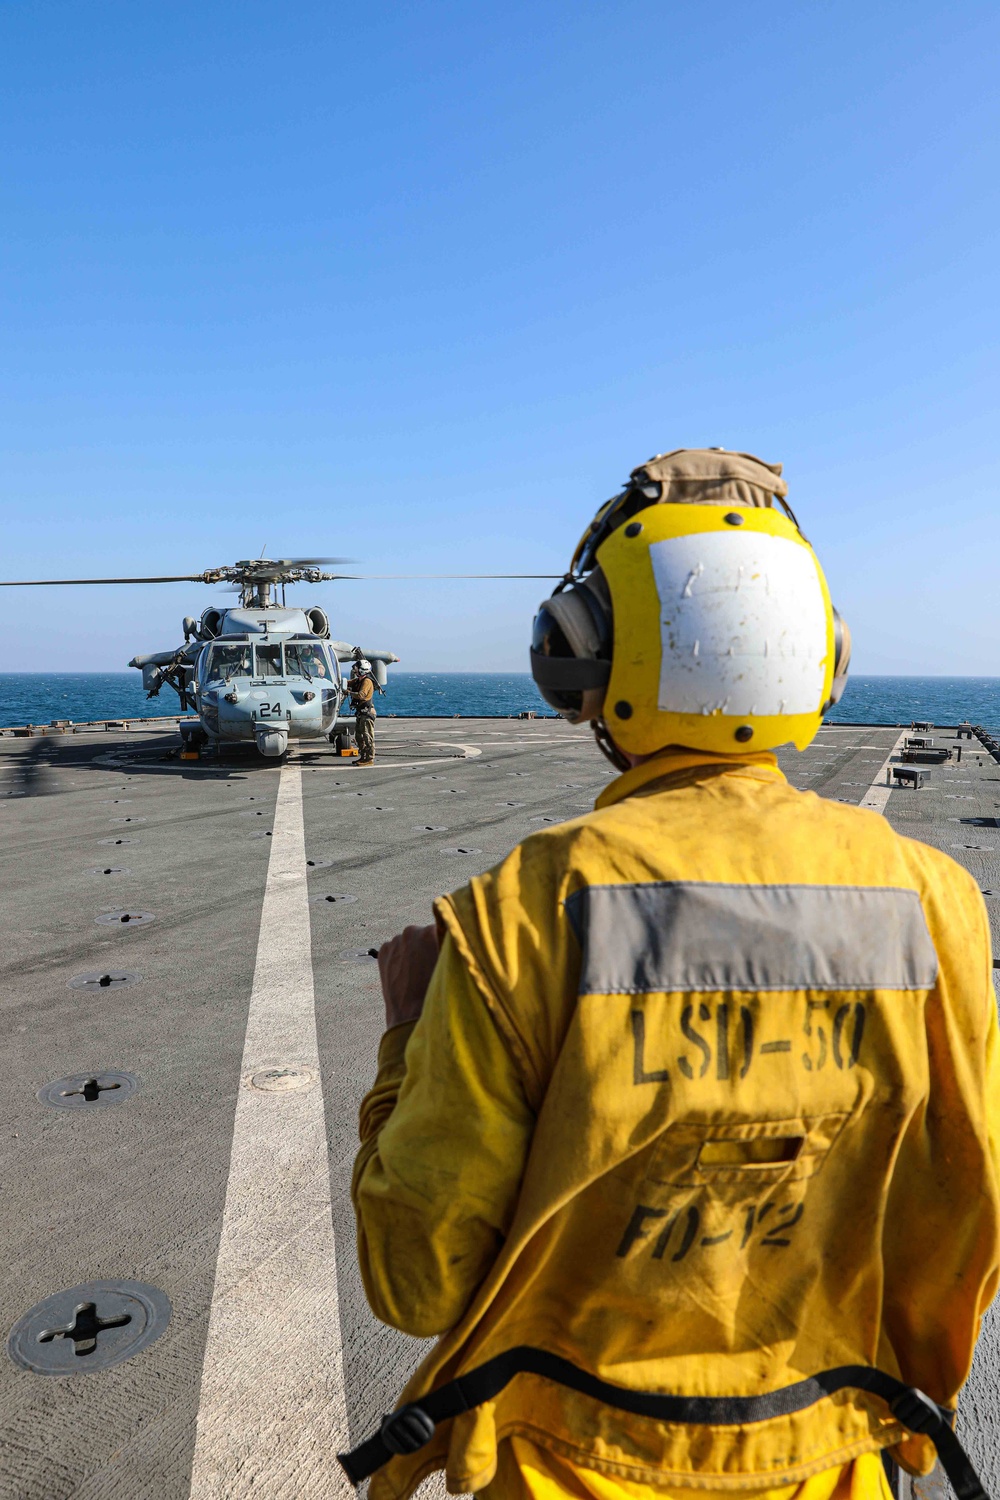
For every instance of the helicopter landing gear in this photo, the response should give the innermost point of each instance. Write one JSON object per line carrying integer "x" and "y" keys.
{"x": 193, "y": 741}
{"x": 343, "y": 743}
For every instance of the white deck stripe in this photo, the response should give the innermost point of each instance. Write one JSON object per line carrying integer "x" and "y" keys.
{"x": 877, "y": 794}
{"x": 272, "y": 1413}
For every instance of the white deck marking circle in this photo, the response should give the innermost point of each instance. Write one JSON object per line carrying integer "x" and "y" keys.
{"x": 272, "y": 1413}
{"x": 877, "y": 794}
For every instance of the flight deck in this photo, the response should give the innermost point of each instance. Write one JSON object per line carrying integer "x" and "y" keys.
{"x": 192, "y": 1014}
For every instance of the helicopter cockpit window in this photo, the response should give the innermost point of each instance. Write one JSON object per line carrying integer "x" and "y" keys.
{"x": 268, "y": 661}
{"x": 228, "y": 661}
{"x": 303, "y": 659}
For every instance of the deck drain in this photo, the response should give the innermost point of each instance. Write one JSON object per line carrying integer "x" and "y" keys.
{"x": 89, "y": 1089}
{"x": 462, "y": 849}
{"x": 332, "y": 898}
{"x": 359, "y": 955}
{"x": 124, "y": 918}
{"x": 108, "y": 870}
{"x": 103, "y": 979}
{"x": 318, "y": 864}
{"x": 89, "y": 1327}
{"x": 429, "y": 828}
{"x": 283, "y": 1079}
{"x": 119, "y": 841}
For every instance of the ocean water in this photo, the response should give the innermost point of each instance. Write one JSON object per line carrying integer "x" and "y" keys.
{"x": 37, "y": 698}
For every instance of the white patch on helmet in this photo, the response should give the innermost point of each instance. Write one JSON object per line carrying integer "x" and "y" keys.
{"x": 743, "y": 624}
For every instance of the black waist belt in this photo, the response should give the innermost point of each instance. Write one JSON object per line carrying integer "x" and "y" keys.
{"x": 412, "y": 1426}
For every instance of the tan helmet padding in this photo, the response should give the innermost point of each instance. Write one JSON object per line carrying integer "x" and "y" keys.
{"x": 712, "y": 476}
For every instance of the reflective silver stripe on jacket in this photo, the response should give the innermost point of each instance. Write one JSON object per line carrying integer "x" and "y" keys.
{"x": 695, "y": 935}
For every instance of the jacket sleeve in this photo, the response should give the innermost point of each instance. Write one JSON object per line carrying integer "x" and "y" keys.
{"x": 942, "y": 1223}
{"x": 445, "y": 1133}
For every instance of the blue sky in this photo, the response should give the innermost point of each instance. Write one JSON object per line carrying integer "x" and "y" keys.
{"x": 420, "y": 283}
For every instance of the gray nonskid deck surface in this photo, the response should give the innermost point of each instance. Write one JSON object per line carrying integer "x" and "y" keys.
{"x": 138, "y": 1191}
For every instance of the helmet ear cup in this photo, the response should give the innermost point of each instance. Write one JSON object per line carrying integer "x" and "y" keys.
{"x": 571, "y": 648}
{"x": 841, "y": 658}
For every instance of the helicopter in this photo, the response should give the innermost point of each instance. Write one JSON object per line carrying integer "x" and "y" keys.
{"x": 260, "y": 672}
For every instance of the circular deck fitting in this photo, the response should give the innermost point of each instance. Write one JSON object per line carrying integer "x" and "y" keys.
{"x": 89, "y": 1090}
{"x": 103, "y": 979}
{"x": 359, "y": 956}
{"x": 283, "y": 1078}
{"x": 318, "y": 864}
{"x": 89, "y": 1327}
{"x": 429, "y": 828}
{"x": 253, "y": 812}
{"x": 378, "y": 807}
{"x": 462, "y": 849}
{"x": 261, "y": 833}
{"x": 332, "y": 898}
{"x": 108, "y": 870}
{"x": 115, "y": 801}
{"x": 119, "y": 841}
{"x": 128, "y": 820}
{"x": 125, "y": 918}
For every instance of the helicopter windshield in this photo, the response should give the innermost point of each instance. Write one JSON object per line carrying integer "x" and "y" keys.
{"x": 228, "y": 661}
{"x": 303, "y": 659}
{"x": 268, "y": 661}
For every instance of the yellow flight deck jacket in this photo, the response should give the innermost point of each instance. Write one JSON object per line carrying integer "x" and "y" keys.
{"x": 704, "y": 1098}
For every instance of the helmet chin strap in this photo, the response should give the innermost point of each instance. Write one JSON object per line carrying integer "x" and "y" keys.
{"x": 607, "y": 746}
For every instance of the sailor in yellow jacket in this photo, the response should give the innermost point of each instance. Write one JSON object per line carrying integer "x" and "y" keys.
{"x": 698, "y": 1093}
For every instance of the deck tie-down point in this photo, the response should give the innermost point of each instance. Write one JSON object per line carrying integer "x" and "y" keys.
{"x": 89, "y": 1090}
{"x": 107, "y": 979}
{"x": 86, "y": 1326}
{"x": 105, "y": 1322}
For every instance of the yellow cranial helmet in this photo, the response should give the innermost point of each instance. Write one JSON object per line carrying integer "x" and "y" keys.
{"x": 694, "y": 614}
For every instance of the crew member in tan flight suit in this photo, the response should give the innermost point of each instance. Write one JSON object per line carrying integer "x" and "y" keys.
{"x": 361, "y": 686}
{"x": 684, "y": 1136}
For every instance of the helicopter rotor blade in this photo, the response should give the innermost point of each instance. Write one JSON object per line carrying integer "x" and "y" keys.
{"x": 38, "y": 583}
{"x": 400, "y": 577}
